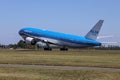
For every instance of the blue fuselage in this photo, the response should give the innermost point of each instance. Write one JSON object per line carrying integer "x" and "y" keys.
{"x": 61, "y": 38}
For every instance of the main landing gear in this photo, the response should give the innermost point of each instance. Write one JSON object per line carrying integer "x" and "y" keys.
{"x": 48, "y": 49}
{"x": 63, "y": 49}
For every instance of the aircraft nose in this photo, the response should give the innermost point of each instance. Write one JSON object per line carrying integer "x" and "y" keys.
{"x": 99, "y": 44}
{"x": 21, "y": 32}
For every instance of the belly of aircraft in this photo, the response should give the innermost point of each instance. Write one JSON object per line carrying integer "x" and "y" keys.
{"x": 65, "y": 43}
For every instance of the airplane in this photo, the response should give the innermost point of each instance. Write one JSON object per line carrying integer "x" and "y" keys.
{"x": 33, "y": 36}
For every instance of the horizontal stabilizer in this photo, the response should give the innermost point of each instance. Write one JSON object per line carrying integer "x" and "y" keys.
{"x": 109, "y": 42}
{"x": 103, "y": 37}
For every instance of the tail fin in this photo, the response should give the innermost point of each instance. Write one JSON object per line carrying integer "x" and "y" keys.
{"x": 93, "y": 33}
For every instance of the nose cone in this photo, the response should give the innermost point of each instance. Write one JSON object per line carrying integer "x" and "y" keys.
{"x": 99, "y": 44}
{"x": 21, "y": 32}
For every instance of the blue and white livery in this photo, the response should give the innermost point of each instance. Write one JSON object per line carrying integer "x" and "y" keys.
{"x": 33, "y": 35}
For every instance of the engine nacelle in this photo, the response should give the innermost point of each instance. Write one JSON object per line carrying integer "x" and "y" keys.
{"x": 30, "y": 40}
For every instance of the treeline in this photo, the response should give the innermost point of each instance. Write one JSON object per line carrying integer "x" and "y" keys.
{"x": 109, "y": 47}
{"x": 22, "y": 45}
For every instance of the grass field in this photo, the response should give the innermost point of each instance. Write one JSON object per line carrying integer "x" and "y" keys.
{"x": 49, "y": 74}
{"x": 99, "y": 58}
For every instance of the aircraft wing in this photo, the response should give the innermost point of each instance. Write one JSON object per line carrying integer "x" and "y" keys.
{"x": 39, "y": 39}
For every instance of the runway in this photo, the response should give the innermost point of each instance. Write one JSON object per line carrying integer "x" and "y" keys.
{"x": 60, "y": 67}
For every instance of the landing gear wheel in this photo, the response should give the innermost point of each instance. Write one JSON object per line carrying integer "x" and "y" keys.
{"x": 63, "y": 49}
{"x": 48, "y": 49}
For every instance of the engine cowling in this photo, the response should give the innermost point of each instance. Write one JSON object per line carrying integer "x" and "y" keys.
{"x": 30, "y": 40}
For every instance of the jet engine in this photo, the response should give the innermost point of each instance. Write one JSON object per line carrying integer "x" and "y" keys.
{"x": 30, "y": 40}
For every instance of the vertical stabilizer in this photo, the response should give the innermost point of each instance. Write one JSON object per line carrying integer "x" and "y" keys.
{"x": 93, "y": 33}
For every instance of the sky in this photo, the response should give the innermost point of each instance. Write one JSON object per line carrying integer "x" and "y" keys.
{"x": 68, "y": 16}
